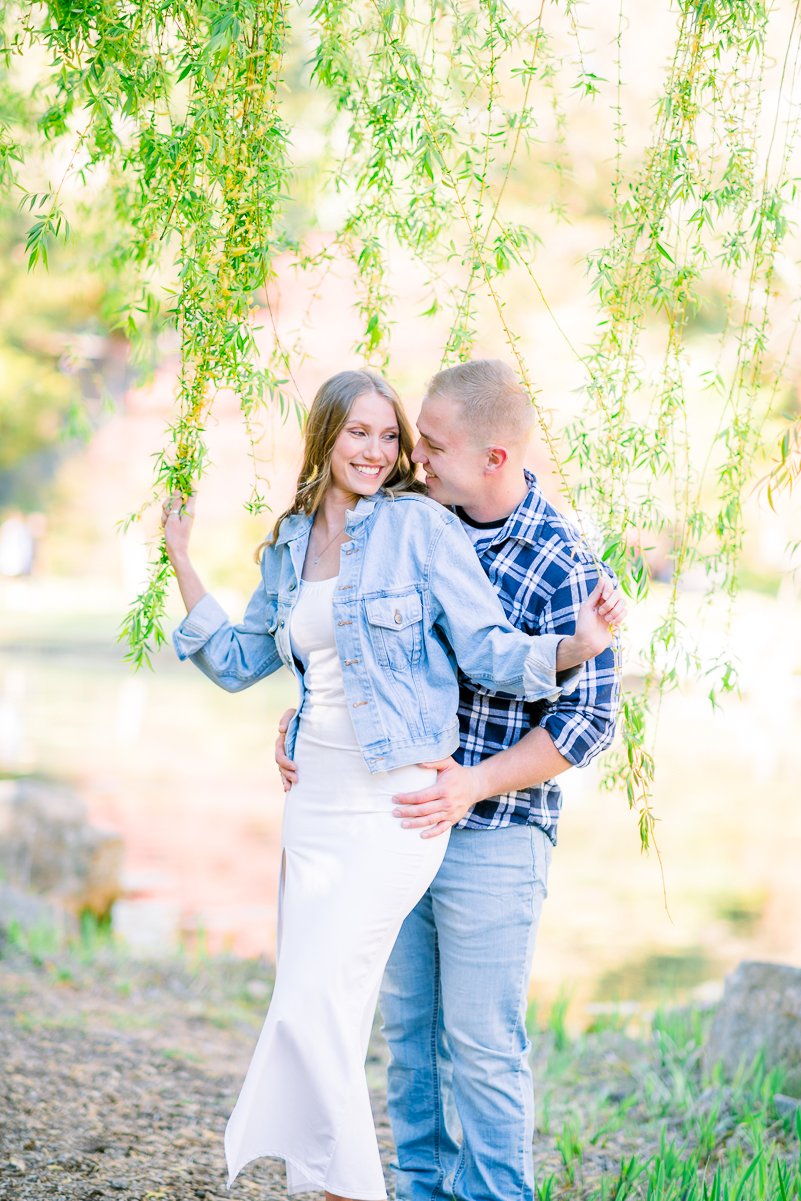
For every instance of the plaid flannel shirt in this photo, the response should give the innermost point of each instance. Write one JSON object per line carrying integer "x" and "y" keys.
{"x": 542, "y": 573}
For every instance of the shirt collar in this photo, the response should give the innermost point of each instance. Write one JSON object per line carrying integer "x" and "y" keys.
{"x": 524, "y": 522}
{"x": 297, "y": 525}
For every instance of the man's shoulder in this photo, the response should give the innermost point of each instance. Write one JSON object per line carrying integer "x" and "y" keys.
{"x": 549, "y": 538}
{"x": 541, "y": 553}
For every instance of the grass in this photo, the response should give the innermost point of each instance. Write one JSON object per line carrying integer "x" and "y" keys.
{"x": 627, "y": 1110}
{"x": 44, "y": 942}
{"x": 643, "y": 1118}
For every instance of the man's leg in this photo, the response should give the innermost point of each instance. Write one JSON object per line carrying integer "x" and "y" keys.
{"x": 486, "y": 901}
{"x": 410, "y": 1006}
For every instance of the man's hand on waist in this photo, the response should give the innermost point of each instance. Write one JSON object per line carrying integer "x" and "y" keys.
{"x": 435, "y": 809}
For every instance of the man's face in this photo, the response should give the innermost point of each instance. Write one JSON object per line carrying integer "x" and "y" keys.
{"x": 452, "y": 462}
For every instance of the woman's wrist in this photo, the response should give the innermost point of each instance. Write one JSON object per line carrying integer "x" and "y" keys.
{"x": 179, "y": 559}
{"x": 571, "y": 652}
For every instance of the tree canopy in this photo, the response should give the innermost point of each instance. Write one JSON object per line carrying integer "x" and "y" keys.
{"x": 184, "y": 127}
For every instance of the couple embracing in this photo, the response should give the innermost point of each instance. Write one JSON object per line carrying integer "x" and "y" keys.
{"x": 453, "y": 649}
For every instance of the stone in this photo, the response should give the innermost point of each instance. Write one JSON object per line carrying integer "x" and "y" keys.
{"x": 21, "y": 912}
{"x": 47, "y": 847}
{"x": 760, "y": 1012}
{"x": 786, "y": 1107}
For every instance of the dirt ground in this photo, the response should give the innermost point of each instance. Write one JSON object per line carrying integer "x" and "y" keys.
{"x": 117, "y": 1080}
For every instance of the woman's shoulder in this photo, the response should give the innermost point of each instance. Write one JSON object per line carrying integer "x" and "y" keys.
{"x": 413, "y": 507}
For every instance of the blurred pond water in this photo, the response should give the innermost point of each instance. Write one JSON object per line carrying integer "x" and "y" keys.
{"x": 186, "y": 773}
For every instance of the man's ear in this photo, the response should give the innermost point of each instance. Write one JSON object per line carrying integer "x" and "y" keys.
{"x": 497, "y": 456}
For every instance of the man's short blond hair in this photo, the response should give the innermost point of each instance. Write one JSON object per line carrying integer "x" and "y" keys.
{"x": 496, "y": 408}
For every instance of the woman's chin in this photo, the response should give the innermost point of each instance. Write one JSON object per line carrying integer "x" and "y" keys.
{"x": 359, "y": 489}
{"x": 364, "y": 487}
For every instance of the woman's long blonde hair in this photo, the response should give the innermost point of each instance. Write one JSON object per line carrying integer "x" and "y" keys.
{"x": 327, "y": 417}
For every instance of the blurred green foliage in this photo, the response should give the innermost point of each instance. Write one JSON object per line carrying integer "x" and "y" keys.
{"x": 45, "y": 379}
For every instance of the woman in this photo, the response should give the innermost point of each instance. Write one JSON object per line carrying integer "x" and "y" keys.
{"x": 369, "y": 592}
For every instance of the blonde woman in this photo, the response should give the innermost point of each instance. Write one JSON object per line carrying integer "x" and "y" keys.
{"x": 370, "y": 594}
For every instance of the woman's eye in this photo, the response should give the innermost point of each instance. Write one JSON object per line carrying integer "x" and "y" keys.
{"x": 391, "y": 437}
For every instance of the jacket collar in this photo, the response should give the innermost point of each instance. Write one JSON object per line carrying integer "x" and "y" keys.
{"x": 297, "y": 525}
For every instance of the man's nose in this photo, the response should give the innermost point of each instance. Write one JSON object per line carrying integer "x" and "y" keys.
{"x": 418, "y": 454}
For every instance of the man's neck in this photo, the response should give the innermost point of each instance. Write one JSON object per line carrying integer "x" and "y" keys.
{"x": 497, "y": 503}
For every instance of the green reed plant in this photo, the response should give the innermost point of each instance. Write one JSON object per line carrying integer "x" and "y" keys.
{"x": 569, "y": 1146}
{"x": 697, "y": 1137}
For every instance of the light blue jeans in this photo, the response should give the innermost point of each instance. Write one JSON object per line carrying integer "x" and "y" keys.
{"x": 453, "y": 1001}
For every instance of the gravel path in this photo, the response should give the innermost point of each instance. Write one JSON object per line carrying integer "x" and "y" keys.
{"x": 117, "y": 1080}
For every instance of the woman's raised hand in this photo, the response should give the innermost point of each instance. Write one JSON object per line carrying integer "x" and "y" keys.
{"x": 596, "y": 625}
{"x": 177, "y": 518}
{"x": 599, "y": 617}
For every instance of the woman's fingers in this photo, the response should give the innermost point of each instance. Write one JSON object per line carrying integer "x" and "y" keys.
{"x": 177, "y": 506}
{"x": 614, "y": 611}
{"x": 611, "y": 606}
{"x": 597, "y": 593}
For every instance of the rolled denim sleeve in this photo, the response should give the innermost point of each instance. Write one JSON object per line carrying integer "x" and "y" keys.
{"x": 581, "y": 721}
{"x": 488, "y": 649}
{"x": 233, "y": 656}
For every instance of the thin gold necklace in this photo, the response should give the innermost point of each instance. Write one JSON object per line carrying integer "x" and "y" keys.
{"x": 338, "y": 534}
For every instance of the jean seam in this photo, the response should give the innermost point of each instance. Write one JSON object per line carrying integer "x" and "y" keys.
{"x": 435, "y": 1076}
{"x": 521, "y": 985}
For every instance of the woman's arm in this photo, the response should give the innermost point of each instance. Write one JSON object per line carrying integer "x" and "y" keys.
{"x": 233, "y": 656}
{"x": 489, "y": 650}
{"x": 177, "y": 520}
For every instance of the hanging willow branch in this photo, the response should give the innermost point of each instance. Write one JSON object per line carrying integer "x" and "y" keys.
{"x": 439, "y": 112}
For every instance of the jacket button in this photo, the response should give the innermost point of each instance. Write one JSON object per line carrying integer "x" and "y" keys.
{"x": 281, "y": 623}
{"x": 292, "y": 587}
{"x": 398, "y": 618}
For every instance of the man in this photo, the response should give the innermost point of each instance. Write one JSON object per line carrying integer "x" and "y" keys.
{"x": 455, "y": 992}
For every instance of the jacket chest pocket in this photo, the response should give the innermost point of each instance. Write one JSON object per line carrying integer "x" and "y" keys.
{"x": 395, "y": 626}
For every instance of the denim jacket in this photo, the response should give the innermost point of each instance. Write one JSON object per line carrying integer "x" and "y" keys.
{"x": 410, "y": 603}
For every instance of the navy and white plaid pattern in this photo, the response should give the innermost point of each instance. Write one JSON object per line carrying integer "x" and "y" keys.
{"x": 542, "y": 573}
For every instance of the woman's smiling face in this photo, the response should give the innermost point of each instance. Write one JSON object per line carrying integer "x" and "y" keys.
{"x": 366, "y": 449}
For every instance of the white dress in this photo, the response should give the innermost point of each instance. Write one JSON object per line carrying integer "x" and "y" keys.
{"x": 350, "y": 874}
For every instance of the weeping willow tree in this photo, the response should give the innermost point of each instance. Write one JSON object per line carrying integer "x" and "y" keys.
{"x": 177, "y": 122}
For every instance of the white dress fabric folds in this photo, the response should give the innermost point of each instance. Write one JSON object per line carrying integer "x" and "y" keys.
{"x": 350, "y": 874}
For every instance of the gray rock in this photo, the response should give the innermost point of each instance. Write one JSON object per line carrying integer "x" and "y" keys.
{"x": 785, "y": 1106}
{"x": 24, "y": 913}
{"x": 48, "y": 847}
{"x": 760, "y": 1012}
